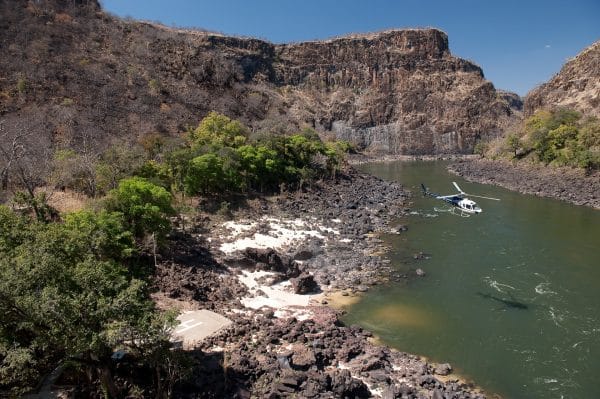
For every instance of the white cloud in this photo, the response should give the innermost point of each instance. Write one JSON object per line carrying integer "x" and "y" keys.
{"x": 547, "y": 46}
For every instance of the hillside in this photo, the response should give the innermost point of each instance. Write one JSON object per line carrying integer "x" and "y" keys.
{"x": 555, "y": 150}
{"x": 576, "y": 86}
{"x": 77, "y": 76}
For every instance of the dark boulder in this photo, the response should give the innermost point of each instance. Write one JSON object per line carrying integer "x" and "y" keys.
{"x": 305, "y": 284}
{"x": 344, "y": 386}
{"x": 302, "y": 358}
{"x": 264, "y": 259}
{"x": 309, "y": 250}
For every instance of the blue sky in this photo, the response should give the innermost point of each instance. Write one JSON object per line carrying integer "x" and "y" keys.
{"x": 519, "y": 44}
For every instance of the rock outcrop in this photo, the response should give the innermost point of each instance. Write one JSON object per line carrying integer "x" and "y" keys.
{"x": 577, "y": 86}
{"x": 75, "y": 74}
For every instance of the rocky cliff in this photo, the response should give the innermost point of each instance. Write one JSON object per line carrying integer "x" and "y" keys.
{"x": 577, "y": 86}
{"x": 76, "y": 74}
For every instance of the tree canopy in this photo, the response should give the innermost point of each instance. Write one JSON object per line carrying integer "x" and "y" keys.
{"x": 559, "y": 137}
{"x": 64, "y": 294}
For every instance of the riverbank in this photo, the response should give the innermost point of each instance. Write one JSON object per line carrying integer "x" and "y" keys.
{"x": 273, "y": 269}
{"x": 360, "y": 158}
{"x": 566, "y": 184}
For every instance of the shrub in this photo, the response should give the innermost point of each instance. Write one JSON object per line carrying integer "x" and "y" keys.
{"x": 217, "y": 130}
{"x": 560, "y": 137}
{"x": 480, "y": 148}
{"x": 144, "y": 205}
{"x": 21, "y": 85}
{"x": 205, "y": 175}
{"x": 153, "y": 85}
{"x": 513, "y": 143}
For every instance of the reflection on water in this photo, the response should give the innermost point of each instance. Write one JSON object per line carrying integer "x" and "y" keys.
{"x": 534, "y": 330}
{"x": 401, "y": 315}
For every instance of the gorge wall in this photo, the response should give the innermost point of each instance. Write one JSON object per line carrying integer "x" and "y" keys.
{"x": 76, "y": 74}
{"x": 576, "y": 86}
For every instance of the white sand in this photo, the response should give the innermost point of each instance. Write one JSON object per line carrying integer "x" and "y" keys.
{"x": 239, "y": 227}
{"x": 281, "y": 233}
{"x": 278, "y": 296}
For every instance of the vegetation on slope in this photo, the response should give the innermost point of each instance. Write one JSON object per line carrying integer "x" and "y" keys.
{"x": 560, "y": 137}
{"x": 74, "y": 287}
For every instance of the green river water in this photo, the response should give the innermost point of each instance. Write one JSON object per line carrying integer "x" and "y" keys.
{"x": 541, "y": 252}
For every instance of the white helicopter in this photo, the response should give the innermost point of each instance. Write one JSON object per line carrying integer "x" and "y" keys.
{"x": 459, "y": 200}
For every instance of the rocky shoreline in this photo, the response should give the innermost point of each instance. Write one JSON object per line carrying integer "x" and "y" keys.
{"x": 361, "y": 158}
{"x": 271, "y": 269}
{"x": 566, "y": 184}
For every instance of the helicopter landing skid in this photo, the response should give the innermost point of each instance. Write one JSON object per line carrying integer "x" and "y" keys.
{"x": 453, "y": 210}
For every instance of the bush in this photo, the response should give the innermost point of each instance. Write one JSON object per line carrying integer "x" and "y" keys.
{"x": 560, "y": 137}
{"x": 144, "y": 205}
{"x": 216, "y": 131}
{"x": 21, "y": 85}
{"x": 64, "y": 298}
{"x": 102, "y": 233}
{"x": 480, "y": 148}
{"x": 513, "y": 143}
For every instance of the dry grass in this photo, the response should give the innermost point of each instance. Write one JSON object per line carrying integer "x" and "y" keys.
{"x": 66, "y": 201}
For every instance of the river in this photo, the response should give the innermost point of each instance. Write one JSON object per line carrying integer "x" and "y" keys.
{"x": 542, "y": 253}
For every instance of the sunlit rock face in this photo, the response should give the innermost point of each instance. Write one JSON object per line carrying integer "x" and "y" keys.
{"x": 86, "y": 75}
{"x": 576, "y": 86}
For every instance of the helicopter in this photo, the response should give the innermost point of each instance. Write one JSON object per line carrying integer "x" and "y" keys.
{"x": 459, "y": 200}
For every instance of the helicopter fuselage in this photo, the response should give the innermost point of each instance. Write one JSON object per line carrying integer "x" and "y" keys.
{"x": 464, "y": 204}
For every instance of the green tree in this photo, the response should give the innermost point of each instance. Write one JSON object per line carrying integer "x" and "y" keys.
{"x": 144, "y": 205}
{"x": 102, "y": 234}
{"x": 334, "y": 156}
{"x": 205, "y": 175}
{"x": 62, "y": 298}
{"x": 513, "y": 142}
{"x": 158, "y": 173}
{"x": 13, "y": 230}
{"x": 589, "y": 133}
{"x": 562, "y": 144}
{"x": 588, "y": 139}
{"x": 260, "y": 165}
{"x": 178, "y": 162}
{"x": 217, "y": 130}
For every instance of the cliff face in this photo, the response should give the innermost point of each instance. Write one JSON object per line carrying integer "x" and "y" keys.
{"x": 76, "y": 74}
{"x": 394, "y": 92}
{"x": 577, "y": 86}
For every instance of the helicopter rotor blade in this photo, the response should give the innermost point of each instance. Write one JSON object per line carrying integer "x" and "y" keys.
{"x": 458, "y": 188}
{"x": 481, "y": 196}
{"x": 473, "y": 195}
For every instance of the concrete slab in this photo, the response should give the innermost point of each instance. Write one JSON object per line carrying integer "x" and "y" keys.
{"x": 196, "y": 325}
